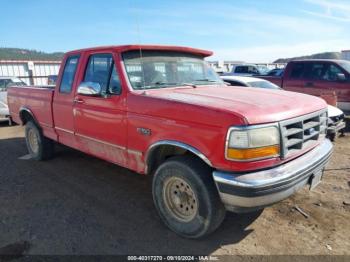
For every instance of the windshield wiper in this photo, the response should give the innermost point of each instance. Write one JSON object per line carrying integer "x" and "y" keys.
{"x": 160, "y": 84}
{"x": 206, "y": 80}
{"x": 157, "y": 85}
{"x": 173, "y": 84}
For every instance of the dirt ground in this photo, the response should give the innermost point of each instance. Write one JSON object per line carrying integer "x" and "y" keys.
{"x": 76, "y": 204}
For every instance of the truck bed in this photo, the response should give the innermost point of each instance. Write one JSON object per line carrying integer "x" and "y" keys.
{"x": 34, "y": 98}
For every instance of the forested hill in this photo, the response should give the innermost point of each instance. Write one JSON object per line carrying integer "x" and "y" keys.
{"x": 26, "y": 54}
{"x": 326, "y": 55}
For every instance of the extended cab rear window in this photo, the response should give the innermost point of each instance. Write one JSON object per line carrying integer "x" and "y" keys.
{"x": 68, "y": 74}
{"x": 161, "y": 69}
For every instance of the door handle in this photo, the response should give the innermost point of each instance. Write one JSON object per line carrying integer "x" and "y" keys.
{"x": 78, "y": 101}
{"x": 309, "y": 84}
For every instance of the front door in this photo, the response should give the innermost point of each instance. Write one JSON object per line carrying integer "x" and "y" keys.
{"x": 315, "y": 83}
{"x": 100, "y": 120}
{"x": 341, "y": 86}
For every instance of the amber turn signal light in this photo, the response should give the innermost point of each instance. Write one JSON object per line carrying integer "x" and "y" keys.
{"x": 253, "y": 153}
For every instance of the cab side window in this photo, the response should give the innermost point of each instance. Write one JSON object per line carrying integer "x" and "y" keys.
{"x": 101, "y": 69}
{"x": 316, "y": 71}
{"x": 332, "y": 72}
{"x": 241, "y": 69}
{"x": 68, "y": 74}
{"x": 252, "y": 70}
{"x": 297, "y": 71}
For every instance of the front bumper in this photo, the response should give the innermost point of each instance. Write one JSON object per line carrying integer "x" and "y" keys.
{"x": 336, "y": 127}
{"x": 243, "y": 192}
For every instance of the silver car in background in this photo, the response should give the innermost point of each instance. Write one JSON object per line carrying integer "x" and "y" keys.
{"x": 247, "y": 70}
{"x": 6, "y": 82}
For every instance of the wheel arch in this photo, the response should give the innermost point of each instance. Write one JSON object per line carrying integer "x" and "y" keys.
{"x": 25, "y": 114}
{"x": 160, "y": 150}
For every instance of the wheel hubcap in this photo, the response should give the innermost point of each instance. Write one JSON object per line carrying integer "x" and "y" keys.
{"x": 180, "y": 199}
{"x": 33, "y": 141}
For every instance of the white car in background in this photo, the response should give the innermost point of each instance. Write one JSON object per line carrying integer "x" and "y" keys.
{"x": 249, "y": 81}
{"x": 336, "y": 117}
{"x": 6, "y": 82}
{"x": 247, "y": 70}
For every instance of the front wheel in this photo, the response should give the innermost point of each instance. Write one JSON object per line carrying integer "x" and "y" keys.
{"x": 332, "y": 137}
{"x": 39, "y": 147}
{"x": 186, "y": 198}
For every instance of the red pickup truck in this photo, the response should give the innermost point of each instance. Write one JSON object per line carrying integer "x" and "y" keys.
{"x": 317, "y": 77}
{"x": 162, "y": 111}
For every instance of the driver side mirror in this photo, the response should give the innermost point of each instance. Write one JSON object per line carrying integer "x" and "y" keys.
{"x": 89, "y": 89}
{"x": 341, "y": 77}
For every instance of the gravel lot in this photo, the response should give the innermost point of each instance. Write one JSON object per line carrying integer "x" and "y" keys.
{"x": 76, "y": 204}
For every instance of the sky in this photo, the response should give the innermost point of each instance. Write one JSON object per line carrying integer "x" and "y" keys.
{"x": 250, "y": 30}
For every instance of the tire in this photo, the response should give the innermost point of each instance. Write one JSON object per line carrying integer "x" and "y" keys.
{"x": 332, "y": 137}
{"x": 39, "y": 147}
{"x": 208, "y": 212}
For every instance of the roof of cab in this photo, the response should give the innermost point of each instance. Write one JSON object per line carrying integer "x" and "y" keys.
{"x": 317, "y": 60}
{"x": 124, "y": 48}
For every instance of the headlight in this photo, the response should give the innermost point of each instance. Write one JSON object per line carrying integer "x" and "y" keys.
{"x": 246, "y": 144}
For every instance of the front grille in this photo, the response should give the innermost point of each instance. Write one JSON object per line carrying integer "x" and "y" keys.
{"x": 302, "y": 132}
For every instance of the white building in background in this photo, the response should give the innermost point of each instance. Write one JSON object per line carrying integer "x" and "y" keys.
{"x": 223, "y": 66}
{"x": 226, "y": 66}
{"x": 31, "y": 72}
{"x": 345, "y": 54}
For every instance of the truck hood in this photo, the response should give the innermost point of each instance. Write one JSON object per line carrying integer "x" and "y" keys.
{"x": 254, "y": 105}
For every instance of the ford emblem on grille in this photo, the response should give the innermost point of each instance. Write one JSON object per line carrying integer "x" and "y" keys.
{"x": 310, "y": 131}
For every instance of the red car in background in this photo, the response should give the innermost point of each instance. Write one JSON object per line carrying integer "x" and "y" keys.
{"x": 329, "y": 79}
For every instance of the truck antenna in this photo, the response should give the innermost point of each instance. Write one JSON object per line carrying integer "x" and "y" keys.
{"x": 140, "y": 49}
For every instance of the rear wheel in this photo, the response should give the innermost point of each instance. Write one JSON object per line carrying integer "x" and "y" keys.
{"x": 186, "y": 198}
{"x": 39, "y": 147}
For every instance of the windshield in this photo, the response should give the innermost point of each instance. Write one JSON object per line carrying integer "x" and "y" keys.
{"x": 16, "y": 82}
{"x": 161, "y": 69}
{"x": 263, "y": 84}
{"x": 263, "y": 69}
{"x": 345, "y": 65}
{"x": 275, "y": 72}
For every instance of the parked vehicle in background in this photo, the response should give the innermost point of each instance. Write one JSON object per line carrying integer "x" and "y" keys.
{"x": 249, "y": 81}
{"x": 317, "y": 77}
{"x": 247, "y": 70}
{"x": 6, "y": 82}
{"x": 162, "y": 111}
{"x": 4, "y": 110}
{"x": 51, "y": 80}
{"x": 276, "y": 72}
{"x": 336, "y": 122}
